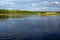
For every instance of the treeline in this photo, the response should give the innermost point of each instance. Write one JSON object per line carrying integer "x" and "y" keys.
{"x": 3, "y": 11}
{"x": 14, "y": 11}
{"x": 22, "y": 13}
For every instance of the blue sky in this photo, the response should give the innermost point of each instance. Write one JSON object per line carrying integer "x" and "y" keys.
{"x": 33, "y": 5}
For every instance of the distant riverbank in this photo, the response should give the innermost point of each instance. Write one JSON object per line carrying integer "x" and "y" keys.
{"x": 22, "y": 13}
{"x": 19, "y": 15}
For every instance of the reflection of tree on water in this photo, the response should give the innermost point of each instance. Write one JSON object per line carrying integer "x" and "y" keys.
{"x": 3, "y": 16}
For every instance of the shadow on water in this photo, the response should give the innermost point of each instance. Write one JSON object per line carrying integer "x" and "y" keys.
{"x": 30, "y": 28}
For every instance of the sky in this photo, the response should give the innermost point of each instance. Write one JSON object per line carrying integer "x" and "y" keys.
{"x": 31, "y": 5}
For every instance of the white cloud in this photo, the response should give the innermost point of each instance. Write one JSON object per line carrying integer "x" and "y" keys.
{"x": 6, "y": 2}
{"x": 46, "y": 3}
{"x": 27, "y": 0}
{"x": 28, "y": 4}
{"x": 39, "y": 8}
{"x": 34, "y": 4}
{"x": 56, "y": 2}
{"x": 50, "y": 3}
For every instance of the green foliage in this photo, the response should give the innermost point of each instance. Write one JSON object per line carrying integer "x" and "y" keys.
{"x": 21, "y": 13}
{"x": 2, "y": 11}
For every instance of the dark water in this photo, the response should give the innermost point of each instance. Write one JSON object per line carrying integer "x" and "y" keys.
{"x": 30, "y": 28}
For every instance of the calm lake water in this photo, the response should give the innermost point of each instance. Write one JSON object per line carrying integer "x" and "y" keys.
{"x": 30, "y": 28}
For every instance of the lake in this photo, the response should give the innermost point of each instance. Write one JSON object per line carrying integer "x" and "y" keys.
{"x": 30, "y": 28}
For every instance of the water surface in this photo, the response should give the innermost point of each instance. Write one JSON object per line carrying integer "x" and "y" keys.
{"x": 30, "y": 28}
